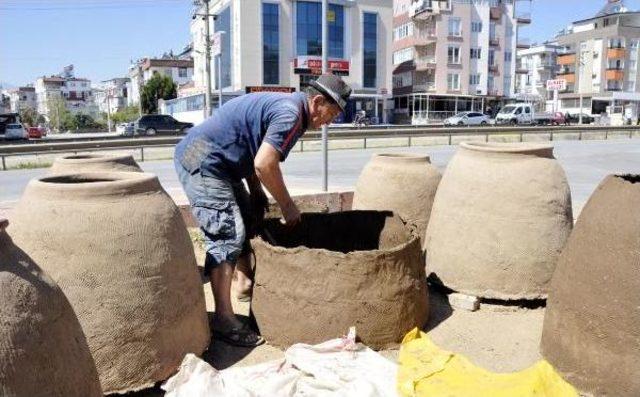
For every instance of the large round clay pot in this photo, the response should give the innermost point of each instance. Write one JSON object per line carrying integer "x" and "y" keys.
{"x": 333, "y": 271}
{"x": 591, "y": 330}
{"x": 43, "y": 351}
{"x": 93, "y": 163}
{"x": 403, "y": 183}
{"x": 117, "y": 246}
{"x": 499, "y": 221}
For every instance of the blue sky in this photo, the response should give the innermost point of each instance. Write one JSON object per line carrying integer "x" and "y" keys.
{"x": 100, "y": 37}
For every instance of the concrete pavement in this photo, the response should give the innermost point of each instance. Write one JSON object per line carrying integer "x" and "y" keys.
{"x": 585, "y": 162}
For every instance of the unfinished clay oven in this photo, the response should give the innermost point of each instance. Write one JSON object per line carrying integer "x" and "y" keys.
{"x": 333, "y": 271}
{"x": 93, "y": 163}
{"x": 591, "y": 328}
{"x": 499, "y": 221}
{"x": 117, "y": 246}
{"x": 403, "y": 183}
{"x": 43, "y": 351}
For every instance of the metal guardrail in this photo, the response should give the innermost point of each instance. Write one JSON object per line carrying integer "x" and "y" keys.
{"x": 408, "y": 132}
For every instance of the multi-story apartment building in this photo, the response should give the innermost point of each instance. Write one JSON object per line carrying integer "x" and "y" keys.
{"x": 599, "y": 62}
{"x": 111, "y": 96}
{"x": 180, "y": 70}
{"x": 75, "y": 92}
{"x": 21, "y": 98}
{"x": 276, "y": 45}
{"x": 453, "y": 55}
{"x": 534, "y": 67}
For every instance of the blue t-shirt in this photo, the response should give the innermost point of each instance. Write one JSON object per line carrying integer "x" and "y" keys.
{"x": 225, "y": 144}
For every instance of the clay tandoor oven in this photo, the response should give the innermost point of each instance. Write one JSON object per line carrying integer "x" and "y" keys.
{"x": 333, "y": 271}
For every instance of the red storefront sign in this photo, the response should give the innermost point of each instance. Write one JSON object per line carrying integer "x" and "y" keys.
{"x": 313, "y": 65}
{"x": 264, "y": 88}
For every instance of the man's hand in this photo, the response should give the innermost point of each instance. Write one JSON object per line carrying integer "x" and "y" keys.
{"x": 291, "y": 214}
{"x": 267, "y": 166}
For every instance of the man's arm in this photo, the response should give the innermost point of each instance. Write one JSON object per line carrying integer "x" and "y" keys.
{"x": 267, "y": 167}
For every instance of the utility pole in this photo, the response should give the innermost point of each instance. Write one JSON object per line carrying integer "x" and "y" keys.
{"x": 207, "y": 52}
{"x": 325, "y": 68}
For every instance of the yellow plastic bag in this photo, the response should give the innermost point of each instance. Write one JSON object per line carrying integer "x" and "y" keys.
{"x": 428, "y": 371}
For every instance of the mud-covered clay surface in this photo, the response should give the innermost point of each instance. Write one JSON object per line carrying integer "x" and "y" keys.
{"x": 118, "y": 248}
{"x": 333, "y": 271}
{"x": 43, "y": 351}
{"x": 94, "y": 163}
{"x": 500, "y": 219}
{"x": 592, "y": 325}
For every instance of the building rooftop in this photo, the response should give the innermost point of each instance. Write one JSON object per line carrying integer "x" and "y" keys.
{"x": 177, "y": 63}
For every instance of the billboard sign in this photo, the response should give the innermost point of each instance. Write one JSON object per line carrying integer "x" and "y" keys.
{"x": 556, "y": 85}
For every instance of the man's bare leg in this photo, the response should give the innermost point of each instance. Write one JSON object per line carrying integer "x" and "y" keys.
{"x": 225, "y": 319}
{"x": 243, "y": 279}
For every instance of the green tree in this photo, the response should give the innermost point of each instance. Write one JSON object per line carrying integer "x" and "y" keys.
{"x": 158, "y": 87}
{"x": 125, "y": 115}
{"x": 29, "y": 116}
{"x": 60, "y": 118}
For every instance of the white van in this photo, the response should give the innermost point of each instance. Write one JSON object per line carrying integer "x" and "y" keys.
{"x": 516, "y": 113}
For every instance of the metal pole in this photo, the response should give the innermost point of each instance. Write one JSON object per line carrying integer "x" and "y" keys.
{"x": 580, "y": 114}
{"x": 219, "y": 79}
{"x": 207, "y": 61}
{"x": 108, "y": 114}
{"x": 325, "y": 128}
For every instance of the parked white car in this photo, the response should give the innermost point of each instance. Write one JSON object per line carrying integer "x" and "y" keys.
{"x": 468, "y": 118}
{"x": 125, "y": 129}
{"x": 15, "y": 131}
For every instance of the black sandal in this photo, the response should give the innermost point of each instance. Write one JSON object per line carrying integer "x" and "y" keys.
{"x": 242, "y": 336}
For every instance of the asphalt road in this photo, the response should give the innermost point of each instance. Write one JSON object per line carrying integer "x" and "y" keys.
{"x": 585, "y": 162}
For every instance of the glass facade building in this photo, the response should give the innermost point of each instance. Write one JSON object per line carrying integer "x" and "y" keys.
{"x": 223, "y": 24}
{"x": 270, "y": 44}
{"x": 309, "y": 29}
{"x": 370, "y": 47}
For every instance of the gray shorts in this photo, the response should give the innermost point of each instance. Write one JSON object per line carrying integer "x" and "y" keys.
{"x": 223, "y": 212}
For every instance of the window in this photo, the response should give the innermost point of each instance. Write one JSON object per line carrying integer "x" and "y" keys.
{"x": 632, "y": 64}
{"x": 455, "y": 27}
{"x": 507, "y": 56}
{"x": 475, "y": 53}
{"x": 223, "y": 24}
{"x": 182, "y": 72}
{"x": 476, "y": 27}
{"x": 403, "y": 31}
{"x": 270, "y": 44}
{"x": 453, "y": 55}
{"x": 309, "y": 29}
{"x": 370, "y": 48}
{"x": 492, "y": 31}
{"x": 403, "y": 55}
{"x": 492, "y": 57}
{"x": 474, "y": 79}
{"x": 616, "y": 43}
{"x": 453, "y": 81}
{"x": 630, "y": 86}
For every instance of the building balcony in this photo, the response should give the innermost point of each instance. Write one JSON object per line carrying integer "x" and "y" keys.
{"x": 521, "y": 70}
{"x": 524, "y": 19}
{"x": 614, "y": 74}
{"x": 493, "y": 69}
{"x": 568, "y": 77}
{"x": 494, "y": 41}
{"x": 495, "y": 13}
{"x": 545, "y": 65}
{"x": 613, "y": 88}
{"x": 422, "y": 9}
{"x": 492, "y": 92}
{"x": 425, "y": 63}
{"x": 428, "y": 86}
{"x": 616, "y": 53}
{"x": 425, "y": 38}
{"x": 523, "y": 44}
{"x": 566, "y": 59}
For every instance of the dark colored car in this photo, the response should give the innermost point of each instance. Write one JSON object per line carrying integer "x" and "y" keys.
{"x": 152, "y": 124}
{"x": 586, "y": 119}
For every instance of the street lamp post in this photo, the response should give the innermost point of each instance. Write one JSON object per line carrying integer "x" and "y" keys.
{"x": 207, "y": 53}
{"x": 325, "y": 68}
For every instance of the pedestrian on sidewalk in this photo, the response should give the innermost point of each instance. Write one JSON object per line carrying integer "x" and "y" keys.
{"x": 246, "y": 139}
